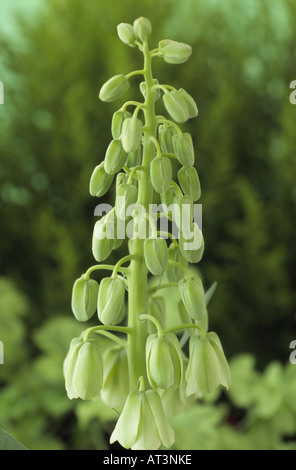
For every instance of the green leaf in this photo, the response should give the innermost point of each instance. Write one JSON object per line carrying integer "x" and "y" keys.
{"x": 8, "y": 442}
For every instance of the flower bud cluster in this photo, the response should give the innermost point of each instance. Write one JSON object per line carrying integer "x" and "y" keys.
{"x": 139, "y": 159}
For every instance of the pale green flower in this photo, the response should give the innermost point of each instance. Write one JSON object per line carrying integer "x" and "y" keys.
{"x": 142, "y": 424}
{"x": 208, "y": 367}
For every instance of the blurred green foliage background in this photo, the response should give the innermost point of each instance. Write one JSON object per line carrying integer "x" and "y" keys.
{"x": 54, "y": 58}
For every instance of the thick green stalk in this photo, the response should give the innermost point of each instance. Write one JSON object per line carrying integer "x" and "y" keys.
{"x": 138, "y": 282}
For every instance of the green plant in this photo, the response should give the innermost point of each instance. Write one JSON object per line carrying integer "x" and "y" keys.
{"x": 141, "y": 154}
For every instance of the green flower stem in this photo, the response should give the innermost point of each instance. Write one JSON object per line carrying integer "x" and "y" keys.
{"x": 163, "y": 120}
{"x": 132, "y": 173}
{"x": 105, "y": 331}
{"x": 168, "y": 235}
{"x": 138, "y": 282}
{"x": 157, "y": 146}
{"x": 165, "y": 285}
{"x": 176, "y": 188}
{"x": 107, "y": 267}
{"x": 122, "y": 261}
{"x": 169, "y": 155}
{"x": 135, "y": 72}
{"x": 153, "y": 320}
{"x": 184, "y": 327}
{"x": 179, "y": 265}
{"x": 164, "y": 88}
{"x": 132, "y": 103}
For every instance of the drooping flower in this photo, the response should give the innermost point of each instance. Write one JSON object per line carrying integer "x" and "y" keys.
{"x": 142, "y": 424}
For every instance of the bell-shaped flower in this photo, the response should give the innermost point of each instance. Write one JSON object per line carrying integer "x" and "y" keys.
{"x": 156, "y": 255}
{"x": 83, "y": 370}
{"x": 161, "y": 173}
{"x": 173, "y": 273}
{"x": 156, "y": 91}
{"x": 131, "y": 135}
{"x": 142, "y": 424}
{"x": 116, "y": 377}
{"x": 115, "y": 157}
{"x": 134, "y": 158}
{"x": 126, "y": 195}
{"x": 84, "y": 298}
{"x": 189, "y": 182}
{"x": 164, "y": 361}
{"x": 126, "y": 34}
{"x": 176, "y": 106}
{"x": 142, "y": 28}
{"x": 103, "y": 237}
{"x": 174, "y": 52}
{"x": 184, "y": 149}
{"x": 100, "y": 181}
{"x": 111, "y": 300}
{"x": 191, "y": 243}
{"x": 207, "y": 367}
{"x": 114, "y": 88}
{"x": 193, "y": 297}
{"x": 117, "y": 122}
{"x": 165, "y": 136}
{"x": 190, "y": 103}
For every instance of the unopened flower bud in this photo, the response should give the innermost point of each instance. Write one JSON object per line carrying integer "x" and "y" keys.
{"x": 103, "y": 238}
{"x": 119, "y": 232}
{"x": 167, "y": 198}
{"x": 164, "y": 361}
{"x": 156, "y": 308}
{"x": 126, "y": 195}
{"x": 143, "y": 411}
{"x": 116, "y": 377}
{"x": 161, "y": 174}
{"x": 100, "y": 181}
{"x": 208, "y": 367}
{"x": 165, "y": 135}
{"x": 114, "y": 88}
{"x": 173, "y": 273}
{"x": 111, "y": 300}
{"x": 131, "y": 135}
{"x": 126, "y": 34}
{"x": 189, "y": 182}
{"x": 117, "y": 122}
{"x": 174, "y": 52}
{"x": 143, "y": 28}
{"x": 84, "y": 298}
{"x": 83, "y": 370}
{"x": 115, "y": 157}
{"x": 184, "y": 149}
{"x": 184, "y": 214}
{"x": 157, "y": 93}
{"x": 193, "y": 297}
{"x": 134, "y": 158}
{"x": 156, "y": 255}
{"x": 191, "y": 243}
{"x": 69, "y": 366}
{"x": 176, "y": 106}
{"x": 190, "y": 103}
